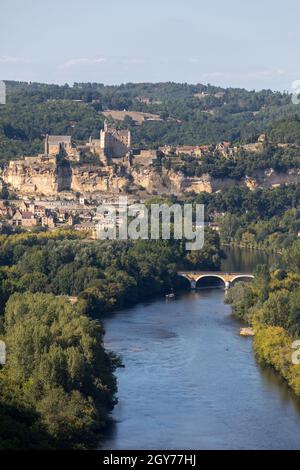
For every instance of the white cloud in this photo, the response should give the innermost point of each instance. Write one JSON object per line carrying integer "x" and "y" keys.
{"x": 5, "y": 59}
{"x": 82, "y": 61}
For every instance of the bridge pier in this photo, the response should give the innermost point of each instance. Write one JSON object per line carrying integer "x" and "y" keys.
{"x": 193, "y": 284}
{"x": 227, "y": 285}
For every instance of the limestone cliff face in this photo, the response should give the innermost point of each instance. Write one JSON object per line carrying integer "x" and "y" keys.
{"x": 87, "y": 179}
{"x": 47, "y": 176}
{"x": 170, "y": 182}
{"x": 158, "y": 181}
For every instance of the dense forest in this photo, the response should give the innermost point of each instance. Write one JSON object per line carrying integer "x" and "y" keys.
{"x": 266, "y": 218}
{"x": 58, "y": 386}
{"x": 271, "y": 305}
{"x": 191, "y": 114}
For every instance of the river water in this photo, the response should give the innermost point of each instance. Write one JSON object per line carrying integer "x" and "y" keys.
{"x": 191, "y": 381}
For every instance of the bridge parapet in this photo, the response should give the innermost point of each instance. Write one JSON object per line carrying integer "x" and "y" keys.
{"x": 227, "y": 278}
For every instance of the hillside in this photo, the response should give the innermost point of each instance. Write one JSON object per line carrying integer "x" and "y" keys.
{"x": 189, "y": 114}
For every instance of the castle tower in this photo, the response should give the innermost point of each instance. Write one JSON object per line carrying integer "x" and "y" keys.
{"x": 46, "y": 150}
{"x": 114, "y": 143}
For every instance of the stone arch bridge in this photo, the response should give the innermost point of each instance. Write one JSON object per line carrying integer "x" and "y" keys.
{"x": 228, "y": 278}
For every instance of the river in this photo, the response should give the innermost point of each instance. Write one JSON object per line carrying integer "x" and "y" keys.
{"x": 192, "y": 382}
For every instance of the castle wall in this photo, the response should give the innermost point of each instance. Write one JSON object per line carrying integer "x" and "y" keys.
{"x": 112, "y": 146}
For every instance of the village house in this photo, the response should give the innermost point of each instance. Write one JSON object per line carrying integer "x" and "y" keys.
{"x": 204, "y": 149}
{"x": 48, "y": 221}
{"x": 23, "y": 207}
{"x": 38, "y": 210}
{"x": 17, "y": 218}
{"x": 28, "y": 219}
{"x": 192, "y": 150}
{"x": 225, "y": 149}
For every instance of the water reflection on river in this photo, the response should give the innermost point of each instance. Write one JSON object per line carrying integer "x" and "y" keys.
{"x": 191, "y": 381}
{"x": 245, "y": 260}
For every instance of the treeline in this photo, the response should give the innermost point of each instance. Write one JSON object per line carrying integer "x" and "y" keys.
{"x": 58, "y": 386}
{"x": 264, "y": 218}
{"x": 271, "y": 305}
{"x": 286, "y": 130}
{"x": 250, "y": 205}
{"x": 35, "y": 109}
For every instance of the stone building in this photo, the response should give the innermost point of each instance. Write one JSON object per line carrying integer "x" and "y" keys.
{"x": 28, "y": 219}
{"x": 113, "y": 144}
{"x": 48, "y": 221}
{"x": 54, "y": 144}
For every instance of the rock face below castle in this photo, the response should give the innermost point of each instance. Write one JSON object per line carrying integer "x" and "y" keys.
{"x": 40, "y": 175}
{"x": 48, "y": 176}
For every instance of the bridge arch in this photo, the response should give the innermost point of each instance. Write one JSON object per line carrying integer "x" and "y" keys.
{"x": 211, "y": 276}
{"x": 183, "y": 281}
{"x": 227, "y": 279}
{"x": 239, "y": 277}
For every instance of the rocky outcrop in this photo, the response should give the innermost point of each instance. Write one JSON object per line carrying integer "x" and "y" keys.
{"x": 158, "y": 181}
{"x": 37, "y": 175}
{"x": 88, "y": 179}
{"x": 247, "y": 331}
{"x": 48, "y": 176}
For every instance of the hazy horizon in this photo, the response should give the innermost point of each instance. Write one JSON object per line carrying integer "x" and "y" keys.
{"x": 71, "y": 84}
{"x": 227, "y": 44}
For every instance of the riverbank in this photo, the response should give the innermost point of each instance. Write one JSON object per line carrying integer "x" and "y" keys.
{"x": 191, "y": 381}
{"x": 270, "y": 305}
{"x": 253, "y": 246}
{"x": 41, "y": 275}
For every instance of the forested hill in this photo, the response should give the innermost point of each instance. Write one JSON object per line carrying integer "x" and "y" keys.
{"x": 189, "y": 114}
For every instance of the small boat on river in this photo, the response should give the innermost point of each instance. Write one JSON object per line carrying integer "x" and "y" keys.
{"x": 170, "y": 296}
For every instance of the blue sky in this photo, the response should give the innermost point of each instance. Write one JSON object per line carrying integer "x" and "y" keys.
{"x": 251, "y": 44}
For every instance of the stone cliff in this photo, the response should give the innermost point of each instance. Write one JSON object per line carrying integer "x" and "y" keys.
{"x": 37, "y": 175}
{"x": 48, "y": 176}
